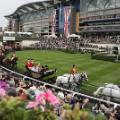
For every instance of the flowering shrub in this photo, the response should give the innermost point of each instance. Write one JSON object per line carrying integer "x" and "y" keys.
{"x": 14, "y": 109}
{"x": 42, "y": 99}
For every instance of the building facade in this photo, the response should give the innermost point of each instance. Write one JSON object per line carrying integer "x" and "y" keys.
{"x": 99, "y": 16}
{"x": 64, "y": 17}
{"x": 46, "y": 17}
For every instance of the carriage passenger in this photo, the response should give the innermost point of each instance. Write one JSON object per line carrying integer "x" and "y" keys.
{"x": 26, "y": 64}
{"x": 36, "y": 68}
{"x": 29, "y": 64}
{"x": 2, "y": 55}
{"x": 32, "y": 62}
{"x": 13, "y": 60}
{"x": 13, "y": 56}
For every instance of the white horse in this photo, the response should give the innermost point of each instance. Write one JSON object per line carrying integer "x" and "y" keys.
{"x": 109, "y": 92}
{"x": 69, "y": 78}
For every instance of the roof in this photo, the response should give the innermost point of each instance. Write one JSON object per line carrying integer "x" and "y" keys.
{"x": 31, "y": 7}
{"x": 34, "y": 6}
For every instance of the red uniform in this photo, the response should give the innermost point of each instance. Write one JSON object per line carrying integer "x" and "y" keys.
{"x": 29, "y": 64}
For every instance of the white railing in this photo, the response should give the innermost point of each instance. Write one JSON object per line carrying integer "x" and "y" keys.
{"x": 63, "y": 89}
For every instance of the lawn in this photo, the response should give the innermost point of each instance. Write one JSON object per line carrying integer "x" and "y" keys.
{"x": 99, "y": 72}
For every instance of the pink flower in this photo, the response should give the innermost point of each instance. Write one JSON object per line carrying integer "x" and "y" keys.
{"x": 2, "y": 92}
{"x": 32, "y": 105}
{"x": 51, "y": 98}
{"x": 42, "y": 98}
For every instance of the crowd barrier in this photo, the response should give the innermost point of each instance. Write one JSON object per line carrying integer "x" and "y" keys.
{"x": 59, "y": 88}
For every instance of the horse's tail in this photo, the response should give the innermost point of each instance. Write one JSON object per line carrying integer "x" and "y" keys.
{"x": 98, "y": 91}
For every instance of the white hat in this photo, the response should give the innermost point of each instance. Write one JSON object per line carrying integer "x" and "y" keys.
{"x": 33, "y": 88}
{"x": 61, "y": 95}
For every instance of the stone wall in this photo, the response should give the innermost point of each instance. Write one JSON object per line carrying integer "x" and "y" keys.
{"x": 27, "y": 43}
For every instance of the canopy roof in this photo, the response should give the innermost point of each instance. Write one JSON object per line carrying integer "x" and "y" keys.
{"x": 31, "y": 7}
{"x": 73, "y": 36}
{"x": 34, "y": 6}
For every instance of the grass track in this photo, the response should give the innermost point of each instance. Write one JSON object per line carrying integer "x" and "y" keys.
{"x": 99, "y": 72}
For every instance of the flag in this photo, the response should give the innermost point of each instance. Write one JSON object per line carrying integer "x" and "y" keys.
{"x": 67, "y": 13}
{"x": 61, "y": 20}
{"x": 53, "y": 21}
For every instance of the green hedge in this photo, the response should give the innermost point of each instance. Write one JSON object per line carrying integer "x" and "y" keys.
{"x": 105, "y": 57}
{"x": 69, "y": 51}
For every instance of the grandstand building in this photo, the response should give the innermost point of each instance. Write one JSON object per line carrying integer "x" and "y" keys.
{"x": 60, "y": 17}
{"x": 99, "y": 17}
{"x": 64, "y": 17}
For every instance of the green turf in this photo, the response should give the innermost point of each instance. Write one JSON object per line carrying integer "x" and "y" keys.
{"x": 99, "y": 72}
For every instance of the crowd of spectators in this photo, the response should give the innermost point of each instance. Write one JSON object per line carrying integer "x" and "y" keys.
{"x": 27, "y": 91}
{"x": 74, "y": 44}
{"x": 102, "y": 39}
{"x": 2, "y": 53}
{"x": 56, "y": 43}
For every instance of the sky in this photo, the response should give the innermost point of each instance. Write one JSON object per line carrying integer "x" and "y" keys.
{"x": 9, "y": 6}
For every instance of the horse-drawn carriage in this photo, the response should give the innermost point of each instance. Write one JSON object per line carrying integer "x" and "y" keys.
{"x": 47, "y": 75}
{"x": 108, "y": 92}
{"x": 71, "y": 82}
{"x": 11, "y": 64}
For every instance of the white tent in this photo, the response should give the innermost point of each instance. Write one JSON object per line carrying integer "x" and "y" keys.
{"x": 52, "y": 36}
{"x": 74, "y": 36}
{"x": 46, "y": 36}
{"x": 9, "y": 32}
